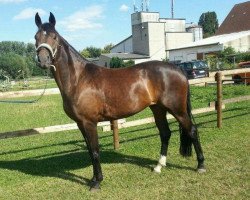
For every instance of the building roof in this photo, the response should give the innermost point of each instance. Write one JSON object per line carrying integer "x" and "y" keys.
{"x": 237, "y": 20}
{"x": 125, "y": 56}
{"x": 130, "y": 37}
{"x": 218, "y": 39}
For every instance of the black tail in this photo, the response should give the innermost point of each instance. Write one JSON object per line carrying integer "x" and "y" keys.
{"x": 185, "y": 139}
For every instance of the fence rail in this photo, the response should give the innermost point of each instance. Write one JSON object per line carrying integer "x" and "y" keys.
{"x": 115, "y": 125}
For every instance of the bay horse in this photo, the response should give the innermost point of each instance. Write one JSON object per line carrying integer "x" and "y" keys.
{"x": 92, "y": 94}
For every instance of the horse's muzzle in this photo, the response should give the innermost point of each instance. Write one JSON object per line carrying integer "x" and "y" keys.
{"x": 44, "y": 59}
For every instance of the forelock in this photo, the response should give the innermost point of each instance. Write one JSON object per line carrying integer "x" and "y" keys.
{"x": 48, "y": 27}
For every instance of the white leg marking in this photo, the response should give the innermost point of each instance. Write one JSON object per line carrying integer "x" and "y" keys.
{"x": 201, "y": 171}
{"x": 161, "y": 163}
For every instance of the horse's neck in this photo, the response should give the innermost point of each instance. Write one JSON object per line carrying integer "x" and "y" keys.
{"x": 67, "y": 71}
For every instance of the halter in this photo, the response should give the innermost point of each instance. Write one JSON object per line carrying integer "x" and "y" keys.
{"x": 49, "y": 48}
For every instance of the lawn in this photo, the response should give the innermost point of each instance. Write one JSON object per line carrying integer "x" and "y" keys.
{"x": 57, "y": 165}
{"x": 27, "y": 84}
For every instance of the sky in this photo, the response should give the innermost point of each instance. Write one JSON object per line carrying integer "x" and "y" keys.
{"x": 95, "y": 23}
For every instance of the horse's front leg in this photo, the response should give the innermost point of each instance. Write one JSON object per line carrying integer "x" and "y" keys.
{"x": 89, "y": 131}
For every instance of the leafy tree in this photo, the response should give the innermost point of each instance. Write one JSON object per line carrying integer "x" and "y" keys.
{"x": 226, "y": 56}
{"x": 129, "y": 63}
{"x": 209, "y": 23}
{"x": 227, "y": 59}
{"x": 107, "y": 48}
{"x": 13, "y": 64}
{"x": 13, "y": 46}
{"x": 85, "y": 53}
{"x": 91, "y": 52}
{"x": 116, "y": 62}
{"x": 30, "y": 51}
{"x": 243, "y": 57}
{"x": 94, "y": 52}
{"x": 26, "y": 51}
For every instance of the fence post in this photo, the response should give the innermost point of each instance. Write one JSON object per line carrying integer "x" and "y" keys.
{"x": 114, "y": 127}
{"x": 218, "y": 78}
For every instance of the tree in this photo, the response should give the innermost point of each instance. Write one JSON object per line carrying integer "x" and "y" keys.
{"x": 13, "y": 46}
{"x": 13, "y": 65}
{"x": 209, "y": 23}
{"x": 91, "y": 52}
{"x": 107, "y": 48}
{"x": 85, "y": 53}
{"x": 227, "y": 58}
{"x": 94, "y": 52}
{"x": 27, "y": 53}
{"x": 129, "y": 63}
{"x": 243, "y": 57}
{"x": 116, "y": 62}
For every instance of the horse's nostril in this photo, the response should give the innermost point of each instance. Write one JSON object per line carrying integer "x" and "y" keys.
{"x": 38, "y": 59}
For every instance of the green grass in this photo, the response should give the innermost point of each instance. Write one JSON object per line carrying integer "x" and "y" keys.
{"x": 48, "y": 111}
{"x": 200, "y": 96}
{"x": 30, "y": 84}
{"x": 57, "y": 165}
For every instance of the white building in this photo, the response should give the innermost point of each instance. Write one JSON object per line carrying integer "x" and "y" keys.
{"x": 125, "y": 46}
{"x": 234, "y": 32}
{"x": 151, "y": 37}
{"x": 240, "y": 41}
{"x": 155, "y": 38}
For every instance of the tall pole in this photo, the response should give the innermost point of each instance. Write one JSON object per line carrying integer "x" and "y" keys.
{"x": 147, "y": 5}
{"x": 114, "y": 127}
{"x": 172, "y": 9}
{"x": 218, "y": 78}
{"x": 135, "y": 7}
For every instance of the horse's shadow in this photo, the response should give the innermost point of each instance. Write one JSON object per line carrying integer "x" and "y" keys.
{"x": 59, "y": 164}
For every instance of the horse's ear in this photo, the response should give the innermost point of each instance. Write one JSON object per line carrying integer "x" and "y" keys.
{"x": 52, "y": 19}
{"x": 38, "y": 20}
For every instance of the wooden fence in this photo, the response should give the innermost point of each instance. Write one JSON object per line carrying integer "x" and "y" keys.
{"x": 115, "y": 125}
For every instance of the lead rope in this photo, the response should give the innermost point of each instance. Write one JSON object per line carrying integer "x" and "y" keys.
{"x": 28, "y": 101}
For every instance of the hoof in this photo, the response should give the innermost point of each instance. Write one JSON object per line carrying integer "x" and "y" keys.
{"x": 157, "y": 169}
{"x": 95, "y": 186}
{"x": 93, "y": 189}
{"x": 201, "y": 170}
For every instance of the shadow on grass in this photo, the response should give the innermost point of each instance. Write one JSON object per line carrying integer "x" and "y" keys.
{"x": 223, "y": 118}
{"x": 59, "y": 164}
{"x": 202, "y": 115}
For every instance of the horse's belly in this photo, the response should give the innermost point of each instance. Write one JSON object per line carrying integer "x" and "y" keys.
{"x": 120, "y": 110}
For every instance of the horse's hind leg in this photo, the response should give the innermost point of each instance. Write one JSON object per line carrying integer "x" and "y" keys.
{"x": 165, "y": 134}
{"x": 189, "y": 136}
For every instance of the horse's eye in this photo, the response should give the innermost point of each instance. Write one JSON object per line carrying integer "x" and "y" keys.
{"x": 53, "y": 35}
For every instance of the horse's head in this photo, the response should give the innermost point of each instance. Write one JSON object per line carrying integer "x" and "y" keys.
{"x": 47, "y": 41}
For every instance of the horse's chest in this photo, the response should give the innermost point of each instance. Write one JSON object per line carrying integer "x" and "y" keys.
{"x": 70, "y": 110}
